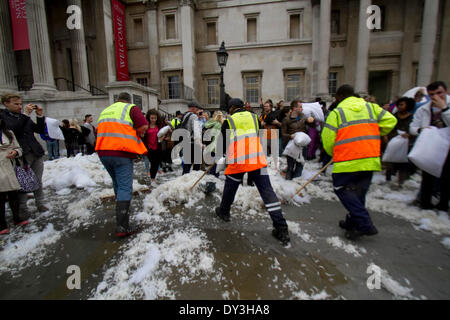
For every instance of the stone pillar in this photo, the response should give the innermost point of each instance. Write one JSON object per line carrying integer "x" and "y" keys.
{"x": 187, "y": 40}
{"x": 109, "y": 40}
{"x": 406, "y": 63}
{"x": 428, "y": 42}
{"x": 324, "y": 47}
{"x": 153, "y": 44}
{"x": 7, "y": 58}
{"x": 315, "y": 46}
{"x": 79, "y": 56}
{"x": 362, "y": 56}
{"x": 444, "y": 62}
{"x": 40, "y": 46}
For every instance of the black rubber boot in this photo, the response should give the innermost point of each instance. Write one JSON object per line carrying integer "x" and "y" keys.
{"x": 123, "y": 228}
{"x": 355, "y": 234}
{"x": 282, "y": 234}
{"x": 224, "y": 217}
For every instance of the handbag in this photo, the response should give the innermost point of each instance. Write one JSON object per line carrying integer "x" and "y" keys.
{"x": 26, "y": 178}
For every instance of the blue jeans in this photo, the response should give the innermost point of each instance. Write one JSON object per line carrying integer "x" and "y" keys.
{"x": 351, "y": 188}
{"x": 121, "y": 172}
{"x": 53, "y": 149}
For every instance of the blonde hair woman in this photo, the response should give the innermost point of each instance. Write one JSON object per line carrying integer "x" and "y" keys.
{"x": 74, "y": 124}
{"x": 218, "y": 116}
{"x": 215, "y": 126}
{"x": 73, "y": 138}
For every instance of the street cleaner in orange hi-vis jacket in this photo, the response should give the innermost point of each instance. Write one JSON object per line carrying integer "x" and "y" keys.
{"x": 352, "y": 135}
{"x": 244, "y": 153}
{"x": 120, "y": 129}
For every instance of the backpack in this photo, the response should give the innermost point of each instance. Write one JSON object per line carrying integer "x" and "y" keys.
{"x": 185, "y": 120}
{"x": 182, "y": 125}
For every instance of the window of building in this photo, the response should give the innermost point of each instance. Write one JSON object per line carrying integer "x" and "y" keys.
{"x": 213, "y": 91}
{"x": 170, "y": 27}
{"x": 294, "y": 26}
{"x": 333, "y": 83}
{"x": 293, "y": 82}
{"x": 335, "y": 22}
{"x": 138, "y": 30}
{"x": 252, "y": 87}
{"x": 174, "y": 87}
{"x": 142, "y": 81}
{"x": 251, "y": 30}
{"x": 211, "y": 33}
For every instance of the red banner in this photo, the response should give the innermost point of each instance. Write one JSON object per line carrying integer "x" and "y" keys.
{"x": 19, "y": 25}
{"x": 120, "y": 37}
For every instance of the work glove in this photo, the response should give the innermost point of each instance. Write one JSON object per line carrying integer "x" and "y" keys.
{"x": 221, "y": 164}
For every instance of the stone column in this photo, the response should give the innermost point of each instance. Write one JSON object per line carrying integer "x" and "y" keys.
{"x": 406, "y": 63}
{"x": 362, "y": 56}
{"x": 324, "y": 47}
{"x": 315, "y": 46}
{"x": 79, "y": 56}
{"x": 428, "y": 42}
{"x": 187, "y": 40}
{"x": 40, "y": 46}
{"x": 444, "y": 61}
{"x": 107, "y": 26}
{"x": 153, "y": 44}
{"x": 7, "y": 58}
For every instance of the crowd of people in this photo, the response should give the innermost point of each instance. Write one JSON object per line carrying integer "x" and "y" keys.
{"x": 354, "y": 135}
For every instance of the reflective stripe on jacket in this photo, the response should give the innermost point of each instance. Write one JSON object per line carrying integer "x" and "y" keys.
{"x": 115, "y": 130}
{"x": 357, "y": 139}
{"x": 245, "y": 152}
{"x": 352, "y": 135}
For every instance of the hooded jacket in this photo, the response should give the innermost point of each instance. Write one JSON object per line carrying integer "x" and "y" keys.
{"x": 356, "y": 109}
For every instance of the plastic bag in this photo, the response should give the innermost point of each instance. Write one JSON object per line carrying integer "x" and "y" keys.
{"x": 430, "y": 150}
{"x": 314, "y": 110}
{"x": 301, "y": 139}
{"x": 396, "y": 150}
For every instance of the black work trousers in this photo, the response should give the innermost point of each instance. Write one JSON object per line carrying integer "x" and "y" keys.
{"x": 265, "y": 189}
{"x": 14, "y": 204}
{"x": 426, "y": 187}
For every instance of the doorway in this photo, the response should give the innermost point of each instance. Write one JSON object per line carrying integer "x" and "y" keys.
{"x": 380, "y": 84}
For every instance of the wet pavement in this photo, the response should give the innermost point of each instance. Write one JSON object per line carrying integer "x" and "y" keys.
{"x": 250, "y": 263}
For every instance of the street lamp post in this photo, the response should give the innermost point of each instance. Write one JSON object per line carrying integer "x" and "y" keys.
{"x": 222, "y": 57}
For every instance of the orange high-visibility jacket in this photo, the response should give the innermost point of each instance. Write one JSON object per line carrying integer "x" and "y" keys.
{"x": 245, "y": 152}
{"x": 115, "y": 130}
{"x": 357, "y": 139}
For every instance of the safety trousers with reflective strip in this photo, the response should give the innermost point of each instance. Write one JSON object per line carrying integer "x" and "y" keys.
{"x": 118, "y": 134}
{"x": 245, "y": 152}
{"x": 359, "y": 139}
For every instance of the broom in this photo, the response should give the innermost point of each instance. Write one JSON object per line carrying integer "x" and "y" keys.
{"x": 311, "y": 180}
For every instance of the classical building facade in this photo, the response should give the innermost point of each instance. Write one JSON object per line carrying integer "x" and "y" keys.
{"x": 277, "y": 49}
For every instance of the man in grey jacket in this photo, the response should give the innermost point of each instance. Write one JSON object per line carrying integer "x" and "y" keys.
{"x": 191, "y": 123}
{"x": 435, "y": 113}
{"x": 90, "y": 139}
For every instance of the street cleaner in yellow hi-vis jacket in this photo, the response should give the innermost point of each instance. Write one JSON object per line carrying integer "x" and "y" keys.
{"x": 244, "y": 153}
{"x": 352, "y": 135}
{"x": 120, "y": 128}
